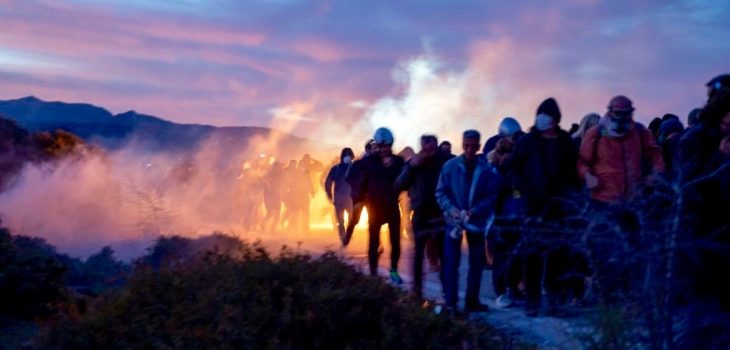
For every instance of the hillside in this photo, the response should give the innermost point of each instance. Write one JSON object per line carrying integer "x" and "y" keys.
{"x": 146, "y": 132}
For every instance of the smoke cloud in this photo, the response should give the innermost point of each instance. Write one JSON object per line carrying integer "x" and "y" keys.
{"x": 131, "y": 196}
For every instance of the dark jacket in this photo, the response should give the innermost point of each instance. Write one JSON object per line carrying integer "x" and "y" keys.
{"x": 452, "y": 191}
{"x": 336, "y": 177}
{"x": 420, "y": 182}
{"x": 698, "y": 153}
{"x": 704, "y": 173}
{"x": 373, "y": 183}
{"x": 543, "y": 169}
{"x": 492, "y": 141}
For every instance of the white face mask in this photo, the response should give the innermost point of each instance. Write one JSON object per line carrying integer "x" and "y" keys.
{"x": 347, "y": 159}
{"x": 544, "y": 122}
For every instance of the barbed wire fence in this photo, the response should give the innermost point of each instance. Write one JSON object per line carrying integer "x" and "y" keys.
{"x": 636, "y": 263}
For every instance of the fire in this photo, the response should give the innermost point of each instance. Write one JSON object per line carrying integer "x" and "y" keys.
{"x": 322, "y": 215}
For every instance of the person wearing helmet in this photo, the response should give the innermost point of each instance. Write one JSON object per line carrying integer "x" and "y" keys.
{"x": 716, "y": 84}
{"x": 509, "y": 127}
{"x": 373, "y": 184}
{"x": 610, "y": 159}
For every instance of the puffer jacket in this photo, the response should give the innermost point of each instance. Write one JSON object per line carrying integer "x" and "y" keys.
{"x": 617, "y": 161}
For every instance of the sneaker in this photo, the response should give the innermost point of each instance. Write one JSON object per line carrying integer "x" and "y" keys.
{"x": 476, "y": 307}
{"x": 504, "y": 301}
{"x": 395, "y": 277}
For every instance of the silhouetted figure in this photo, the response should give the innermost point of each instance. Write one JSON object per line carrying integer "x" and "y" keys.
{"x": 338, "y": 190}
{"x": 542, "y": 168}
{"x": 358, "y": 199}
{"x": 445, "y": 147}
{"x": 419, "y": 177}
{"x": 272, "y": 192}
{"x": 374, "y": 181}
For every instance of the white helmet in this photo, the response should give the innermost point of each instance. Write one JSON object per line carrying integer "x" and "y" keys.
{"x": 383, "y": 136}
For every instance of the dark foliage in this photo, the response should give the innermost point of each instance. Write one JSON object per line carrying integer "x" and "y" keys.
{"x": 31, "y": 277}
{"x": 257, "y": 301}
{"x": 36, "y": 281}
{"x": 18, "y": 147}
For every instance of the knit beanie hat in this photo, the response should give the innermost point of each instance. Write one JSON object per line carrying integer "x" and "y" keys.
{"x": 550, "y": 107}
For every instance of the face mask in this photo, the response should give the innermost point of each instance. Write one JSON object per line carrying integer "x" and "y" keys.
{"x": 347, "y": 159}
{"x": 620, "y": 125}
{"x": 543, "y": 122}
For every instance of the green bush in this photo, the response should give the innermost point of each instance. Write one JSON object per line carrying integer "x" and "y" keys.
{"x": 252, "y": 300}
{"x": 31, "y": 276}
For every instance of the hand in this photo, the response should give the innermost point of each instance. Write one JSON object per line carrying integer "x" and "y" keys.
{"x": 455, "y": 213}
{"x": 416, "y": 160}
{"x": 591, "y": 181}
{"x": 725, "y": 145}
{"x": 388, "y": 161}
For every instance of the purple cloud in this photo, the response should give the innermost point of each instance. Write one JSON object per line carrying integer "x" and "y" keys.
{"x": 232, "y": 63}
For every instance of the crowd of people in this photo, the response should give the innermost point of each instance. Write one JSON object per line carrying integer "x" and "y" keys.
{"x": 285, "y": 192}
{"x": 521, "y": 193}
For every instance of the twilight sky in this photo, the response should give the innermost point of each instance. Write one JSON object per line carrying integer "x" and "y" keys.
{"x": 317, "y": 67}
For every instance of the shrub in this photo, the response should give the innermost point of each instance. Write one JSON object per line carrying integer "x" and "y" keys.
{"x": 31, "y": 276}
{"x": 256, "y": 301}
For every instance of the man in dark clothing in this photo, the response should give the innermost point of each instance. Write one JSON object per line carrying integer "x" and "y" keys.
{"x": 374, "y": 180}
{"x": 341, "y": 198}
{"x": 543, "y": 162}
{"x": 358, "y": 200}
{"x": 466, "y": 192}
{"x": 543, "y": 168}
{"x": 704, "y": 173}
{"x": 703, "y": 166}
{"x": 419, "y": 177}
{"x": 445, "y": 147}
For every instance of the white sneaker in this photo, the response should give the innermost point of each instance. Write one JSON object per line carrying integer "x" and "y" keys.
{"x": 504, "y": 301}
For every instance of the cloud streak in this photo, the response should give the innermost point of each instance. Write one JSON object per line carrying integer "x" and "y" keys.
{"x": 231, "y": 63}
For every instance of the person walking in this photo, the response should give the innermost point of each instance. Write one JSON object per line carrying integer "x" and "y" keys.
{"x": 466, "y": 192}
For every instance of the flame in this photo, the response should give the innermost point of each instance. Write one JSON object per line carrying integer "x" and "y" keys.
{"x": 320, "y": 204}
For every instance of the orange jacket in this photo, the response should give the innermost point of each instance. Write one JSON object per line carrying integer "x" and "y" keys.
{"x": 616, "y": 161}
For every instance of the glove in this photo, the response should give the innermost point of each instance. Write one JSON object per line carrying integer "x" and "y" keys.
{"x": 591, "y": 181}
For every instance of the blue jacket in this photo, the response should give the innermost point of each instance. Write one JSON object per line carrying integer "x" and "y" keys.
{"x": 482, "y": 192}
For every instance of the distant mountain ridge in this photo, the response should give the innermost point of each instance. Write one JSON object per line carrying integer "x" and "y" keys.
{"x": 96, "y": 124}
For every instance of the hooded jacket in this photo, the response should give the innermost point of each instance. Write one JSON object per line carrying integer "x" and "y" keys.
{"x": 617, "y": 161}
{"x": 336, "y": 177}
